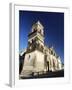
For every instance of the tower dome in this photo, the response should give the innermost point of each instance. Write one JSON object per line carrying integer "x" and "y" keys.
{"x": 38, "y": 27}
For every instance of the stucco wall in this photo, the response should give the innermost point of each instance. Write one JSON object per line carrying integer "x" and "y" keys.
{"x": 33, "y": 62}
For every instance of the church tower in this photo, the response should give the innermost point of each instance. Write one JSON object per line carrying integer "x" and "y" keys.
{"x": 34, "y": 57}
{"x": 36, "y": 37}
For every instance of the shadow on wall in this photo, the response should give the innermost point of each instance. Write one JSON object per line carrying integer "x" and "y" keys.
{"x": 21, "y": 62}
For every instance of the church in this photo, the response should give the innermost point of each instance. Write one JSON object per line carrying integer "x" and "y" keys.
{"x": 37, "y": 57}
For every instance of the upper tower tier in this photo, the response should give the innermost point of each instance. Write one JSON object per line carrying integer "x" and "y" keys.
{"x": 37, "y": 32}
{"x": 36, "y": 37}
{"x": 38, "y": 27}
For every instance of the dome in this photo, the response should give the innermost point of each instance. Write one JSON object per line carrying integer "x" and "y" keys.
{"x": 37, "y": 27}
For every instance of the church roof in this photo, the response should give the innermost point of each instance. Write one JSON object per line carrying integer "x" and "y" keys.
{"x": 38, "y": 23}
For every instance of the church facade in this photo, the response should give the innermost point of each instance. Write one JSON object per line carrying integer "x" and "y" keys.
{"x": 38, "y": 57}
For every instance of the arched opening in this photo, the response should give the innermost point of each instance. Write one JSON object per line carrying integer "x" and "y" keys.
{"x": 32, "y": 41}
{"x": 48, "y": 66}
{"x": 40, "y": 30}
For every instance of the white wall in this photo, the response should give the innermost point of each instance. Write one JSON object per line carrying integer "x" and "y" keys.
{"x": 4, "y": 44}
{"x": 40, "y": 60}
{"x": 36, "y": 56}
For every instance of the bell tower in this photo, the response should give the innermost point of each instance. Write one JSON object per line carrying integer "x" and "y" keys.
{"x": 34, "y": 57}
{"x": 36, "y": 37}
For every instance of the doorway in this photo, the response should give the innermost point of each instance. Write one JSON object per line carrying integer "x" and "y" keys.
{"x": 48, "y": 66}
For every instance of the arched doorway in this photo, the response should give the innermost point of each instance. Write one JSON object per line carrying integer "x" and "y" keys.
{"x": 46, "y": 63}
{"x": 48, "y": 66}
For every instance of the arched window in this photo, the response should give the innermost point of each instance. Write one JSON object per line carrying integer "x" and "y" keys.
{"x": 32, "y": 40}
{"x": 29, "y": 57}
{"x": 41, "y": 47}
{"x": 53, "y": 63}
{"x": 40, "y": 30}
{"x": 51, "y": 52}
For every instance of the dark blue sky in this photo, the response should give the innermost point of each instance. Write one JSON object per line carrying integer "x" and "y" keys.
{"x": 53, "y": 23}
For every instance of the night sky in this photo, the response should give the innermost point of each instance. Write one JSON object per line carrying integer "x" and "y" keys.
{"x": 53, "y": 23}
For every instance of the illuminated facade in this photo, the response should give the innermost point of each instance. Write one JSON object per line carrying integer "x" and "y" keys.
{"x": 38, "y": 57}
